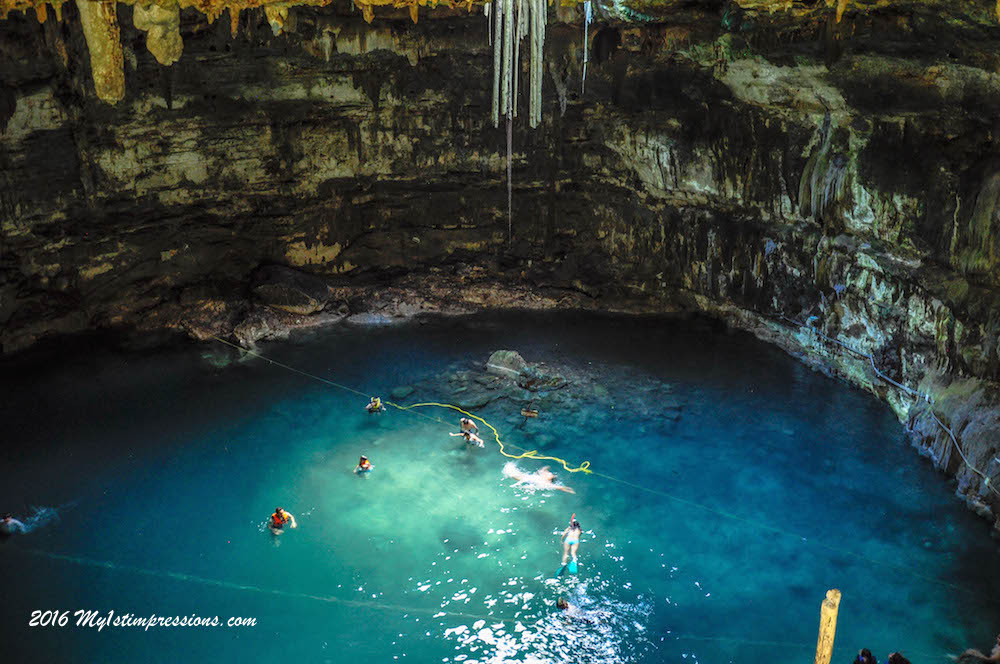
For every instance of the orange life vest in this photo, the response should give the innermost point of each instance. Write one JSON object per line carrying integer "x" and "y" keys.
{"x": 278, "y": 520}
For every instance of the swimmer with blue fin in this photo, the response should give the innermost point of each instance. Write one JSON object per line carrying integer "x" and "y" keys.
{"x": 571, "y": 542}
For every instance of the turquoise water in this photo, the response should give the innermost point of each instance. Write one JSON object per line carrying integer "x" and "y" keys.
{"x": 732, "y": 488}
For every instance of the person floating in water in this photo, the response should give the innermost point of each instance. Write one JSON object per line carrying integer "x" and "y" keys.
{"x": 279, "y": 519}
{"x": 11, "y": 526}
{"x": 375, "y": 406}
{"x": 364, "y": 466}
{"x": 543, "y": 478}
{"x": 897, "y": 658}
{"x": 468, "y": 425}
{"x": 571, "y": 540}
{"x": 470, "y": 438}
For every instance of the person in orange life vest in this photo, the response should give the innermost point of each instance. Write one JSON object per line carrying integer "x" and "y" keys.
{"x": 364, "y": 466}
{"x": 279, "y": 519}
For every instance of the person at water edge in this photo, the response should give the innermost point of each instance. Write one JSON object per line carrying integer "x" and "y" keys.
{"x": 375, "y": 406}
{"x": 571, "y": 539}
{"x": 364, "y": 466}
{"x": 11, "y": 526}
{"x": 865, "y": 656}
{"x": 470, "y": 438}
{"x": 279, "y": 519}
{"x": 973, "y": 656}
{"x": 468, "y": 425}
{"x": 897, "y": 658}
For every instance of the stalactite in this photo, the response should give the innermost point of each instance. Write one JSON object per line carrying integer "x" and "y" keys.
{"x": 510, "y": 184}
{"x": 107, "y": 62}
{"x": 512, "y": 20}
{"x": 497, "y": 48}
{"x": 508, "y": 43}
{"x": 162, "y": 28}
{"x": 586, "y": 46}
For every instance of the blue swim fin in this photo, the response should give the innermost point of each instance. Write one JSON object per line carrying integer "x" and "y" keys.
{"x": 572, "y": 567}
{"x": 559, "y": 572}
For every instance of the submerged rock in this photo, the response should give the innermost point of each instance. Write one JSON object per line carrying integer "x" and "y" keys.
{"x": 401, "y": 392}
{"x": 507, "y": 363}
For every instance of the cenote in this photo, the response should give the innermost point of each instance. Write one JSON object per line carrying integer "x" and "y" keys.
{"x": 731, "y": 487}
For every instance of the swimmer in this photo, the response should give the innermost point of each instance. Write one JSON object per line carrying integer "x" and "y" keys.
{"x": 562, "y": 604}
{"x": 279, "y": 519}
{"x": 375, "y": 406}
{"x": 11, "y": 526}
{"x": 364, "y": 466}
{"x": 571, "y": 539}
{"x": 543, "y": 478}
{"x": 468, "y": 425}
{"x": 470, "y": 438}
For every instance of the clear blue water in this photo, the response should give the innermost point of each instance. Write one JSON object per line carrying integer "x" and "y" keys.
{"x": 732, "y": 488}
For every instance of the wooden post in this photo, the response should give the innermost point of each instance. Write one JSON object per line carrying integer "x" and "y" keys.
{"x": 827, "y": 626}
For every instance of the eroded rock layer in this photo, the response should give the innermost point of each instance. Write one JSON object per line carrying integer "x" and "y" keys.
{"x": 824, "y": 176}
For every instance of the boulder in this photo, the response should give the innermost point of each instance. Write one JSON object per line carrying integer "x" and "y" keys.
{"x": 506, "y": 363}
{"x": 289, "y": 290}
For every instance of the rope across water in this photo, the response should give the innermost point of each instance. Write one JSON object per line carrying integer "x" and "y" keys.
{"x": 585, "y": 468}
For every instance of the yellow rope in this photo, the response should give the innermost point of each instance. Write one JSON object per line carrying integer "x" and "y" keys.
{"x": 532, "y": 454}
{"x": 585, "y": 467}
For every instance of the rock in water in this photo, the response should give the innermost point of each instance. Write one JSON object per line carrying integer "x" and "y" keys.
{"x": 507, "y": 363}
{"x": 400, "y": 393}
{"x": 289, "y": 290}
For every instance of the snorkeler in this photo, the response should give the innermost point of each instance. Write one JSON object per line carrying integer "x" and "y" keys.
{"x": 11, "y": 526}
{"x": 364, "y": 466}
{"x": 563, "y": 605}
{"x": 375, "y": 406}
{"x": 468, "y": 425}
{"x": 470, "y": 438}
{"x": 571, "y": 539}
{"x": 279, "y": 519}
{"x": 865, "y": 656}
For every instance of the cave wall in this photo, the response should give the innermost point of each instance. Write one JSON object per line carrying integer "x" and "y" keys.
{"x": 804, "y": 180}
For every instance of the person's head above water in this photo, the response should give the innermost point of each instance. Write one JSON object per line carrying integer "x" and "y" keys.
{"x": 278, "y": 510}
{"x": 363, "y": 460}
{"x": 562, "y": 603}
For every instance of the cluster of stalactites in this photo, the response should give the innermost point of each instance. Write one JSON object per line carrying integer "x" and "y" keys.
{"x": 511, "y": 21}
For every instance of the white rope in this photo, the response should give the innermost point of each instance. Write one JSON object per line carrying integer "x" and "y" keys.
{"x": 926, "y": 397}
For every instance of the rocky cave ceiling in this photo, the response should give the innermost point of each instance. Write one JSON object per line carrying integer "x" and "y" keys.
{"x": 161, "y": 19}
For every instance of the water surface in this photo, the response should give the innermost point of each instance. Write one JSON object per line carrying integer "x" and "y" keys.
{"x": 732, "y": 487}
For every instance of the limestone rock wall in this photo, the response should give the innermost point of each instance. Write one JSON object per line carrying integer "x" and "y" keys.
{"x": 832, "y": 186}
